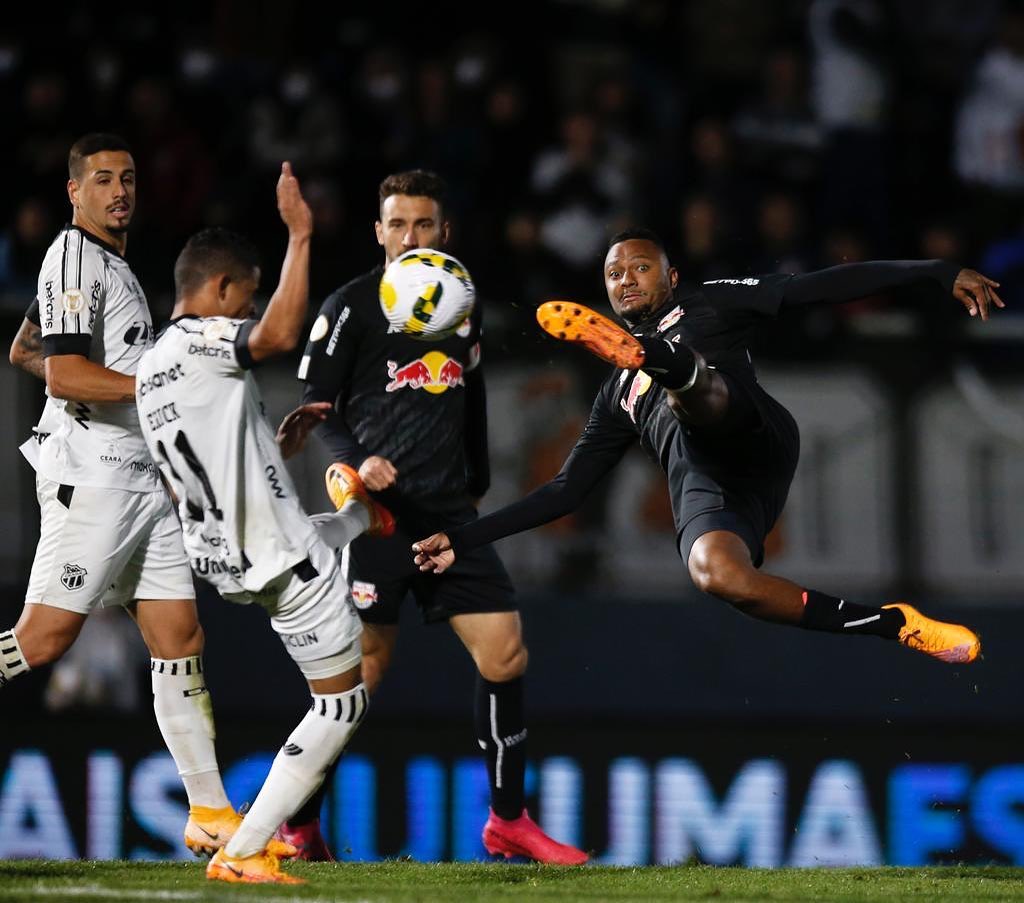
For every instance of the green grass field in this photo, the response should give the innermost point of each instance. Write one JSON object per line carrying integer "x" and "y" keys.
{"x": 27, "y": 881}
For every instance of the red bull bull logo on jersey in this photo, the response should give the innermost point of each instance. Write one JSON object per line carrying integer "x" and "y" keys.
{"x": 641, "y": 383}
{"x": 434, "y": 372}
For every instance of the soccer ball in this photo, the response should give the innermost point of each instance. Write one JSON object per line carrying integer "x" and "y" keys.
{"x": 426, "y": 294}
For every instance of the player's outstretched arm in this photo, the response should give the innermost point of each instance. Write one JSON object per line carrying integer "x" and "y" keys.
{"x": 27, "y": 350}
{"x": 858, "y": 280}
{"x": 76, "y": 378}
{"x": 279, "y": 329}
{"x": 297, "y": 425}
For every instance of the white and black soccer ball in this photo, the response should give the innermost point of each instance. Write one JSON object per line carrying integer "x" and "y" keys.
{"x": 426, "y": 294}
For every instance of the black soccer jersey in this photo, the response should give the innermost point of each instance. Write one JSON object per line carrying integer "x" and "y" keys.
{"x": 419, "y": 403}
{"x": 718, "y": 321}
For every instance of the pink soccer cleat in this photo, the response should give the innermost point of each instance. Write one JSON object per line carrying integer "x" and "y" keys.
{"x": 523, "y": 837}
{"x": 307, "y": 839}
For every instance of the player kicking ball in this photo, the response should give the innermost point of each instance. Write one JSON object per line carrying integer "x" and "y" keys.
{"x": 685, "y": 386}
{"x": 244, "y": 529}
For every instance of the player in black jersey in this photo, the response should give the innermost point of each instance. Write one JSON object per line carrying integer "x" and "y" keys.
{"x": 686, "y": 388}
{"x": 410, "y": 417}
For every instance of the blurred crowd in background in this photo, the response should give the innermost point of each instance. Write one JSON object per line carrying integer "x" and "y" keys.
{"x": 755, "y": 137}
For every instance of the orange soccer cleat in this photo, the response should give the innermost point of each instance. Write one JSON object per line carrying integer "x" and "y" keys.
{"x": 599, "y": 335}
{"x": 523, "y": 837}
{"x": 260, "y": 868}
{"x": 207, "y": 830}
{"x": 947, "y": 642}
{"x": 345, "y": 484}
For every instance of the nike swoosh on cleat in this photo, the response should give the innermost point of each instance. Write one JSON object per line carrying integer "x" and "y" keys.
{"x": 208, "y": 834}
{"x": 234, "y": 871}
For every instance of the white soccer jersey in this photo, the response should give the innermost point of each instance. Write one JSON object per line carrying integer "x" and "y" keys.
{"x": 203, "y": 421}
{"x": 90, "y": 303}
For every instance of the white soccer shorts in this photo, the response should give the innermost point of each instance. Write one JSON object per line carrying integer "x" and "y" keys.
{"x": 106, "y": 547}
{"x": 309, "y": 610}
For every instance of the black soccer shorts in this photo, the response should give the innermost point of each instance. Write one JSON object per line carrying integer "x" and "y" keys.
{"x": 381, "y": 574}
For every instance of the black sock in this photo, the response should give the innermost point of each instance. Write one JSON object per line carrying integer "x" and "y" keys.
{"x": 669, "y": 364}
{"x": 502, "y": 736}
{"x": 310, "y": 810}
{"x": 822, "y": 612}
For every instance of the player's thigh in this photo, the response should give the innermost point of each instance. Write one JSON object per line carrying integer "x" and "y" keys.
{"x": 86, "y": 538}
{"x": 311, "y": 615}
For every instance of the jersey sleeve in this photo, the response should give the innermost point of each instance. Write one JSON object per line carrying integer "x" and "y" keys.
{"x": 222, "y": 346}
{"x": 858, "y": 280}
{"x": 72, "y": 291}
{"x": 750, "y": 297}
{"x": 328, "y": 360}
{"x": 600, "y": 447}
{"x": 32, "y": 314}
{"x": 326, "y": 369}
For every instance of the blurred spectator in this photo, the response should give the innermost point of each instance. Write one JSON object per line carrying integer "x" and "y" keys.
{"x": 22, "y": 248}
{"x": 780, "y": 239}
{"x": 701, "y": 229}
{"x": 777, "y": 129}
{"x": 851, "y": 90}
{"x": 297, "y": 121}
{"x": 989, "y": 152}
{"x": 44, "y": 134}
{"x": 581, "y": 188}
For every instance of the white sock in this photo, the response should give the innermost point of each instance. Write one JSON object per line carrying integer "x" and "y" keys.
{"x": 299, "y": 767}
{"x": 184, "y": 713}
{"x": 12, "y": 662}
{"x": 340, "y": 527}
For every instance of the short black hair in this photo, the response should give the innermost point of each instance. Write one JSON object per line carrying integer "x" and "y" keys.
{"x": 91, "y": 144}
{"x": 418, "y": 183}
{"x": 638, "y": 233}
{"x": 209, "y": 253}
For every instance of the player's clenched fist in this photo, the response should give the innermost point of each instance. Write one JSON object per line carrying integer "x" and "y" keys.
{"x": 434, "y": 553}
{"x": 377, "y": 473}
{"x": 292, "y": 205}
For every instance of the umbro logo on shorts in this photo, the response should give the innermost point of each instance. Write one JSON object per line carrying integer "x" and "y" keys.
{"x": 292, "y": 749}
{"x": 73, "y": 577}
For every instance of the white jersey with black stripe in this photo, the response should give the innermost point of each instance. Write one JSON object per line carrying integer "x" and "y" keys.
{"x": 203, "y": 420}
{"x": 90, "y": 303}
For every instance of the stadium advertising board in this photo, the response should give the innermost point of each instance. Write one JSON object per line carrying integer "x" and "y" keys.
{"x": 757, "y": 797}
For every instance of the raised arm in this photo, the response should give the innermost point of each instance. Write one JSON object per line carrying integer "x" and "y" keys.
{"x": 858, "y": 280}
{"x": 279, "y": 328}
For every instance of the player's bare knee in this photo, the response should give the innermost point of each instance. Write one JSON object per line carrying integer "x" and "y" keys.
{"x": 719, "y": 575}
{"x": 44, "y": 647}
{"x": 508, "y": 664}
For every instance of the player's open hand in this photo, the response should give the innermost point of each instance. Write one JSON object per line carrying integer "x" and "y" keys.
{"x": 292, "y": 205}
{"x": 297, "y": 425}
{"x": 976, "y": 292}
{"x": 434, "y": 553}
{"x": 377, "y": 473}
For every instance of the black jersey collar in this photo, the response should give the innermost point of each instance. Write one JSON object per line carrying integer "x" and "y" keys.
{"x": 95, "y": 239}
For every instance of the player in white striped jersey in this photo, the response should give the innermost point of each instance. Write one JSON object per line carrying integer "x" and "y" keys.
{"x": 108, "y": 534}
{"x": 245, "y": 531}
